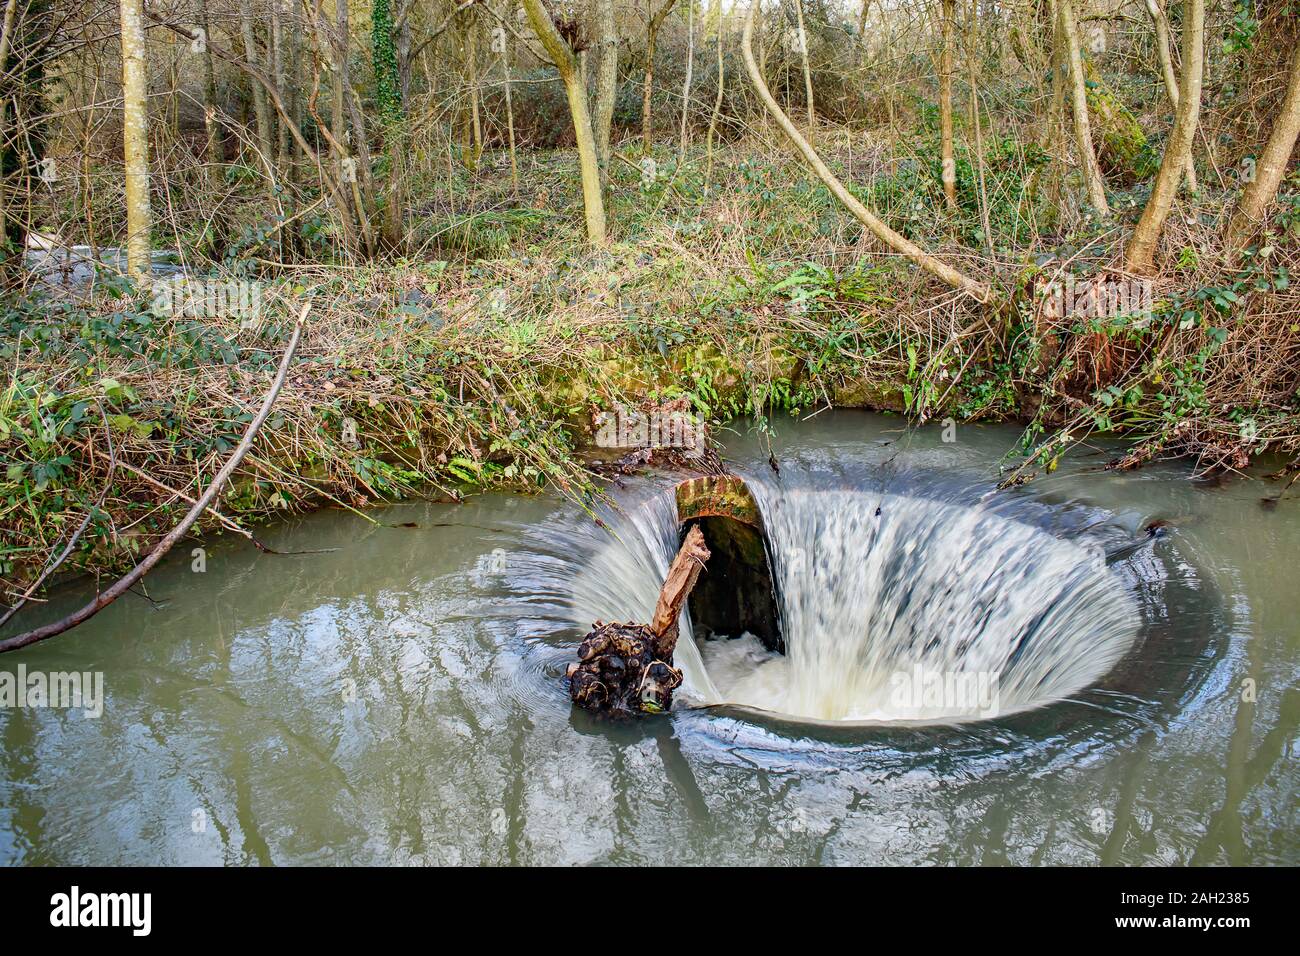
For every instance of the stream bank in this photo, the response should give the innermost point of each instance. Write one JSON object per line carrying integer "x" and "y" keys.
{"x": 395, "y": 695}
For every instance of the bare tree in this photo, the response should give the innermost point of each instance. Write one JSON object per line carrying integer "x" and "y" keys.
{"x": 392, "y": 116}
{"x": 686, "y": 83}
{"x": 1161, "y": 21}
{"x": 6, "y": 45}
{"x": 715, "y": 23}
{"x": 475, "y": 118}
{"x": 210, "y": 125}
{"x": 606, "y": 83}
{"x": 507, "y": 61}
{"x": 807, "y": 69}
{"x": 254, "y": 57}
{"x": 1141, "y": 248}
{"x": 1271, "y": 165}
{"x": 861, "y": 47}
{"x": 652, "y": 37}
{"x": 883, "y": 232}
{"x": 575, "y": 89}
{"x": 135, "y": 138}
{"x": 1069, "y": 36}
{"x": 948, "y": 12}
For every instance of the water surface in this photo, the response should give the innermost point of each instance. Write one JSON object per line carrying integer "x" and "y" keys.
{"x": 398, "y": 700}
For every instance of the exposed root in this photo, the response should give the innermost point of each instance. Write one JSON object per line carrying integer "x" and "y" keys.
{"x": 624, "y": 670}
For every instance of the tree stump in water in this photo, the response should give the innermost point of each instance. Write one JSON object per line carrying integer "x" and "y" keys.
{"x": 624, "y": 670}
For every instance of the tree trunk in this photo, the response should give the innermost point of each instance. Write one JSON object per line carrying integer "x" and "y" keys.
{"x": 682, "y": 575}
{"x": 12, "y": 253}
{"x": 807, "y": 70}
{"x": 339, "y": 47}
{"x": 948, "y": 13}
{"x": 506, "y": 61}
{"x": 686, "y": 84}
{"x": 1271, "y": 165}
{"x": 861, "y": 50}
{"x": 626, "y": 670}
{"x": 392, "y": 114}
{"x": 1161, "y": 22}
{"x": 210, "y": 125}
{"x": 652, "y": 38}
{"x": 135, "y": 138}
{"x": 351, "y": 128}
{"x": 561, "y": 55}
{"x": 1053, "y": 134}
{"x": 716, "y": 16}
{"x": 402, "y": 47}
{"x": 606, "y": 84}
{"x": 363, "y": 186}
{"x": 277, "y": 77}
{"x": 648, "y": 86}
{"x": 352, "y": 183}
{"x": 1142, "y": 247}
{"x": 977, "y": 124}
{"x": 883, "y": 232}
{"x": 260, "y": 109}
{"x": 475, "y": 115}
{"x": 1079, "y": 100}
{"x": 296, "y": 106}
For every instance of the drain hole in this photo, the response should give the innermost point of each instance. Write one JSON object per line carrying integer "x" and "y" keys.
{"x": 735, "y": 594}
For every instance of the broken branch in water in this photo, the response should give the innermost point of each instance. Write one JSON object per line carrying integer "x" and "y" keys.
{"x": 627, "y": 669}
{"x": 682, "y": 575}
{"x": 125, "y": 583}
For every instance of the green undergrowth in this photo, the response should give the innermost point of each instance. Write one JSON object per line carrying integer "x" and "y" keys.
{"x": 734, "y": 282}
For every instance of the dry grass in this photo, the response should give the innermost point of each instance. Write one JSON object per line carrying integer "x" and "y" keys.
{"x": 480, "y": 361}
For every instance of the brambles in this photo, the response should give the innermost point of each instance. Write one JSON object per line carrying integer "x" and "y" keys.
{"x": 732, "y": 281}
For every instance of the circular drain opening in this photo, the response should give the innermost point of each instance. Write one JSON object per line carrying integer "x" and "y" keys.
{"x": 901, "y": 609}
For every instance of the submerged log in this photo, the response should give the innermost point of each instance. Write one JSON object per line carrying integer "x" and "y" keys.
{"x": 624, "y": 670}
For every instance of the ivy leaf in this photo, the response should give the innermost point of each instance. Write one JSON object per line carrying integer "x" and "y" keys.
{"x": 116, "y": 391}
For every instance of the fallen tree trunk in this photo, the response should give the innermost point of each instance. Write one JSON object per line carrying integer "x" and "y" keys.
{"x": 624, "y": 670}
{"x": 958, "y": 280}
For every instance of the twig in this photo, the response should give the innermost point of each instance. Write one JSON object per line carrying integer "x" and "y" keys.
{"x": 228, "y": 523}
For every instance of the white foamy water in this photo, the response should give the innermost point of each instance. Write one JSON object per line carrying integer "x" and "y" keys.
{"x": 615, "y": 585}
{"x": 893, "y": 608}
{"x": 903, "y": 608}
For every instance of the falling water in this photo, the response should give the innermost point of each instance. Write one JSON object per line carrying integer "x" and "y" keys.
{"x": 621, "y": 583}
{"x": 394, "y": 692}
{"x": 894, "y": 607}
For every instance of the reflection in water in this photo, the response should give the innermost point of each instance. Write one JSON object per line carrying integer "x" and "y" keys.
{"x": 398, "y": 700}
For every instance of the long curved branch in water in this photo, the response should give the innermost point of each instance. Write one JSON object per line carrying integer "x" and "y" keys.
{"x": 129, "y": 580}
{"x": 937, "y": 267}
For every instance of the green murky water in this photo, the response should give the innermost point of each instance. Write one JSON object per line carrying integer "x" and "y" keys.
{"x": 398, "y": 700}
